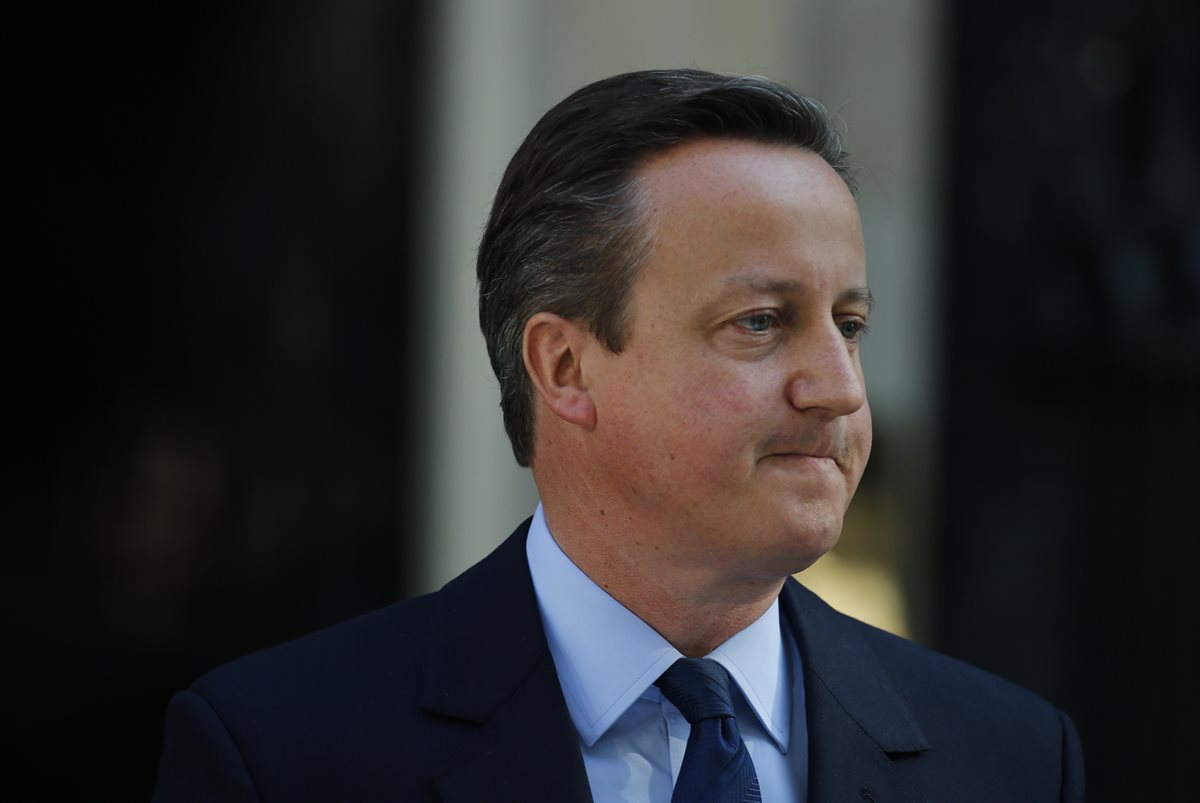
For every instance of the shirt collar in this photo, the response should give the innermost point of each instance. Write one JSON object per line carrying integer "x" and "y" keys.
{"x": 607, "y": 657}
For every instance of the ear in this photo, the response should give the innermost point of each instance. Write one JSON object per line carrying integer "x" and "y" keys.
{"x": 553, "y": 348}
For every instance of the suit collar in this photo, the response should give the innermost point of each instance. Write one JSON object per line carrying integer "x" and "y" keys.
{"x": 488, "y": 617}
{"x": 844, "y": 663}
{"x": 858, "y": 726}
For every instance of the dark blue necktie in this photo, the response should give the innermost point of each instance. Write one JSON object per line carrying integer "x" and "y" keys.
{"x": 716, "y": 767}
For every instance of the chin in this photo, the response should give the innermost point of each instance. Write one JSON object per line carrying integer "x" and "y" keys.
{"x": 812, "y": 540}
{"x": 806, "y": 560}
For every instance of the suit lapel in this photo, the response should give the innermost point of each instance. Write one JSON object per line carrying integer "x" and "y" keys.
{"x": 489, "y": 666}
{"x": 858, "y": 726}
{"x": 524, "y": 751}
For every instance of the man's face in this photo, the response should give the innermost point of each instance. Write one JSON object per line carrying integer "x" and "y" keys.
{"x": 734, "y": 423}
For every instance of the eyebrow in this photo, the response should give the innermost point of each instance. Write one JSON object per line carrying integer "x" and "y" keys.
{"x": 861, "y": 295}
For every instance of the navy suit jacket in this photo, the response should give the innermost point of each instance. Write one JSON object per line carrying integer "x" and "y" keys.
{"x": 454, "y": 697}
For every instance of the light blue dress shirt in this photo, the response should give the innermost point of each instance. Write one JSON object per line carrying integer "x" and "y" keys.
{"x": 632, "y": 738}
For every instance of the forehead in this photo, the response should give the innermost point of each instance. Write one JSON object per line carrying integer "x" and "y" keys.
{"x": 715, "y": 157}
{"x": 720, "y": 173}
{"x": 778, "y": 213}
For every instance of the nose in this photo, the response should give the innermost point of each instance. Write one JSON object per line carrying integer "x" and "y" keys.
{"x": 826, "y": 375}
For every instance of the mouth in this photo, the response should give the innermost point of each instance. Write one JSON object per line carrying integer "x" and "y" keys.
{"x": 804, "y": 459}
{"x": 822, "y": 448}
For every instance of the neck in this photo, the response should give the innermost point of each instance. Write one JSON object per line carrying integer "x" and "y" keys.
{"x": 695, "y": 607}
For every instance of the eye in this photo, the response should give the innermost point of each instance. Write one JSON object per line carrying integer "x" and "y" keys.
{"x": 853, "y": 329}
{"x": 758, "y": 322}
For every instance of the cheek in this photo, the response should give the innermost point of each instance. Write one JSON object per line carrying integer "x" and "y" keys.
{"x": 684, "y": 415}
{"x": 690, "y": 428}
{"x": 720, "y": 422}
{"x": 723, "y": 412}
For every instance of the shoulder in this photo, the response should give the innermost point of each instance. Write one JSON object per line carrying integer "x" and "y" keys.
{"x": 351, "y": 711}
{"x": 353, "y": 657}
{"x": 975, "y": 718}
{"x": 966, "y": 732}
{"x": 314, "y": 718}
{"x": 390, "y": 647}
{"x": 925, "y": 678}
{"x": 932, "y": 680}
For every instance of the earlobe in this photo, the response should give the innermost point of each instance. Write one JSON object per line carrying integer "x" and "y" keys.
{"x": 553, "y": 349}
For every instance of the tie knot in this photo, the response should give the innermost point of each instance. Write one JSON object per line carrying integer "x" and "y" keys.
{"x": 698, "y": 687}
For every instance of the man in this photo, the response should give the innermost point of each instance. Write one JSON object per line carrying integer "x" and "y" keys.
{"x": 673, "y": 294}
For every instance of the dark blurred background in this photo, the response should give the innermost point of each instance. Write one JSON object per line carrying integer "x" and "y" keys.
{"x": 211, "y": 337}
{"x": 1068, "y": 550}
{"x": 219, "y": 339}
